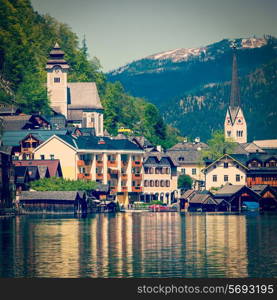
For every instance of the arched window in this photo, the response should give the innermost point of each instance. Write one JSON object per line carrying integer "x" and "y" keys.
{"x": 151, "y": 183}
{"x": 162, "y": 183}
{"x": 146, "y": 183}
{"x": 157, "y": 183}
{"x": 151, "y": 170}
{"x": 168, "y": 183}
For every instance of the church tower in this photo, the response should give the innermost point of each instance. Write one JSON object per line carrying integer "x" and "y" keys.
{"x": 57, "y": 69}
{"x": 235, "y": 127}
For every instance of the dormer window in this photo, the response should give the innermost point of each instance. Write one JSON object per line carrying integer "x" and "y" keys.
{"x": 57, "y": 79}
{"x": 181, "y": 158}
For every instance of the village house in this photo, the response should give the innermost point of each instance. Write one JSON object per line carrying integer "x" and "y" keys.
{"x": 117, "y": 163}
{"x": 60, "y": 202}
{"x": 226, "y": 169}
{"x": 79, "y": 102}
{"x": 187, "y": 157}
{"x": 23, "y": 142}
{"x": 159, "y": 178}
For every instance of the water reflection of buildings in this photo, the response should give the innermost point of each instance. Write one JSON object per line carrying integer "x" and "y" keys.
{"x": 215, "y": 245}
{"x": 136, "y": 245}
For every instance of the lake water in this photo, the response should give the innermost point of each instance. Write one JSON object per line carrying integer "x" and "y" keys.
{"x": 140, "y": 245}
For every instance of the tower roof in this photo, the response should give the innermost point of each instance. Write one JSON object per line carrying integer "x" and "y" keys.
{"x": 235, "y": 95}
{"x": 56, "y": 58}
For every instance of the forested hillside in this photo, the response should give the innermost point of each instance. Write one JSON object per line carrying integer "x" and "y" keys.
{"x": 26, "y": 37}
{"x": 191, "y": 87}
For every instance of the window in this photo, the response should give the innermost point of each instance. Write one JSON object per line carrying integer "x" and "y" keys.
{"x": 157, "y": 183}
{"x": 151, "y": 183}
{"x": 167, "y": 170}
{"x": 57, "y": 79}
{"x": 162, "y": 183}
{"x": 146, "y": 183}
{"x": 214, "y": 178}
{"x": 52, "y": 156}
{"x": 42, "y": 157}
{"x": 167, "y": 183}
{"x": 226, "y": 177}
{"x": 237, "y": 177}
{"x": 183, "y": 171}
{"x": 225, "y": 165}
{"x": 239, "y": 133}
{"x": 157, "y": 171}
{"x": 229, "y": 133}
{"x": 193, "y": 171}
{"x": 151, "y": 170}
{"x": 181, "y": 158}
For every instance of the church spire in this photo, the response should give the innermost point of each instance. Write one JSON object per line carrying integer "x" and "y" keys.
{"x": 235, "y": 95}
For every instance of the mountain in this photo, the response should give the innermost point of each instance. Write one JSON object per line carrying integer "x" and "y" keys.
{"x": 191, "y": 87}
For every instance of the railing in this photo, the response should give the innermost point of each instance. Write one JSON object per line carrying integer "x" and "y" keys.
{"x": 124, "y": 189}
{"x": 112, "y": 163}
{"x": 136, "y": 163}
{"x": 124, "y": 176}
{"x": 84, "y": 176}
{"x": 136, "y": 176}
{"x": 99, "y": 176}
{"x": 99, "y": 163}
{"x": 136, "y": 189}
{"x": 113, "y": 189}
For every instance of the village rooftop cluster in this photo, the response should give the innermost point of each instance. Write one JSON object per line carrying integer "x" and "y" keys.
{"x": 72, "y": 143}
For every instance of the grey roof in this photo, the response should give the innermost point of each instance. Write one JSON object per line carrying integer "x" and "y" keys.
{"x": 259, "y": 188}
{"x": 50, "y": 195}
{"x": 157, "y": 159}
{"x": 184, "y": 156}
{"x": 75, "y": 115}
{"x": 202, "y": 199}
{"x": 228, "y": 190}
{"x": 83, "y": 95}
{"x": 99, "y": 143}
{"x": 8, "y": 108}
{"x": 13, "y": 138}
{"x": 16, "y": 122}
{"x": 188, "y": 146}
{"x": 187, "y": 194}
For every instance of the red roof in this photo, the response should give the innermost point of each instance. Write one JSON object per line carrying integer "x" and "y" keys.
{"x": 52, "y": 164}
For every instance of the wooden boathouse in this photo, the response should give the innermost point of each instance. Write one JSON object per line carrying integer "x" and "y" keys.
{"x": 236, "y": 196}
{"x": 52, "y": 202}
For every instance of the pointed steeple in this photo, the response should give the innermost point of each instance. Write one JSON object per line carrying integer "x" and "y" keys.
{"x": 56, "y": 58}
{"x": 235, "y": 95}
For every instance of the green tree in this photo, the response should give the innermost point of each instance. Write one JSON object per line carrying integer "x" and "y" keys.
{"x": 61, "y": 184}
{"x": 217, "y": 146}
{"x": 184, "y": 182}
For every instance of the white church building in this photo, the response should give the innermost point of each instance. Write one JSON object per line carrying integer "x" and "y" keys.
{"x": 79, "y": 102}
{"x": 235, "y": 126}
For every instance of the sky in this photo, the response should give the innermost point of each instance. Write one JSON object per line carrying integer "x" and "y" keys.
{"x": 120, "y": 31}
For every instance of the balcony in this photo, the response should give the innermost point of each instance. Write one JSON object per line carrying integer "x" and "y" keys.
{"x": 112, "y": 163}
{"x": 136, "y": 176}
{"x": 99, "y": 163}
{"x": 137, "y": 189}
{"x": 113, "y": 189}
{"x": 136, "y": 163}
{"x": 99, "y": 176}
{"x": 124, "y": 176}
{"x": 83, "y": 176}
{"x": 124, "y": 189}
{"x": 80, "y": 163}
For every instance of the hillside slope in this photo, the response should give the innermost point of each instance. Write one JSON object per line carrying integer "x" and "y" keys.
{"x": 192, "y": 86}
